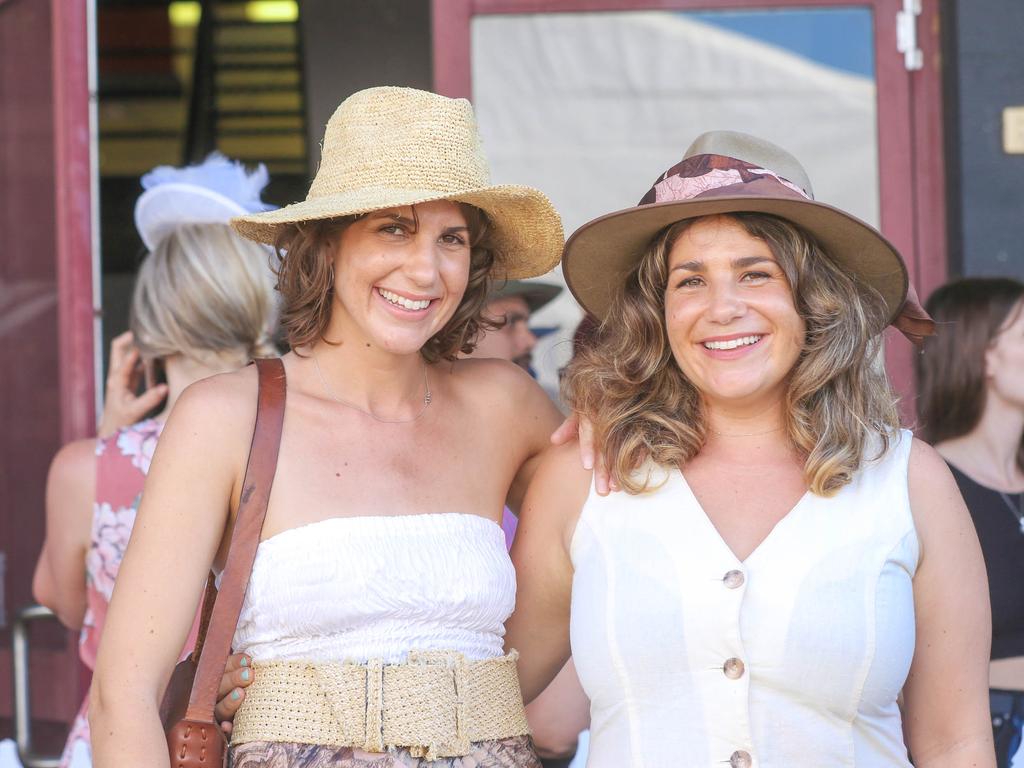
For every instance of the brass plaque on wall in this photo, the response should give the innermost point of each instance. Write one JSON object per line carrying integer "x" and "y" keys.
{"x": 1013, "y": 130}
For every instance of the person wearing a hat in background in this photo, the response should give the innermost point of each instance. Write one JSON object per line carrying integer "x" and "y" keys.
{"x": 203, "y": 304}
{"x": 381, "y": 548}
{"x": 511, "y": 304}
{"x": 785, "y": 562}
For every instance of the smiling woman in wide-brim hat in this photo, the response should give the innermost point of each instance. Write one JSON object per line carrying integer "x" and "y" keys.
{"x": 726, "y": 172}
{"x": 390, "y": 147}
{"x": 782, "y": 551}
{"x": 374, "y": 611}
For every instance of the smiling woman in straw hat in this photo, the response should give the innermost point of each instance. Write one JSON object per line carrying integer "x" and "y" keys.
{"x": 375, "y": 609}
{"x": 786, "y": 562}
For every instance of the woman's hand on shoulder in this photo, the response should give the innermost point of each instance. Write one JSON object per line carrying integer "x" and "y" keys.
{"x": 59, "y": 579}
{"x": 576, "y": 427}
{"x": 946, "y": 694}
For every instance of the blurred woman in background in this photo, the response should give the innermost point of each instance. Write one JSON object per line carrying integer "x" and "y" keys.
{"x": 971, "y": 403}
{"x": 203, "y": 304}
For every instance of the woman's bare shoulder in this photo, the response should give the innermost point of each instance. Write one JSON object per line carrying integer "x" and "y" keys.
{"x": 929, "y": 477}
{"x": 935, "y": 502}
{"x": 499, "y": 389}
{"x": 219, "y": 408}
{"x": 71, "y": 483}
{"x": 487, "y": 372}
{"x": 75, "y": 462}
{"x": 561, "y": 478}
{"x": 229, "y": 393}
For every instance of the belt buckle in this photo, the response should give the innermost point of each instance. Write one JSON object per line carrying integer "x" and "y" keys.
{"x": 439, "y": 696}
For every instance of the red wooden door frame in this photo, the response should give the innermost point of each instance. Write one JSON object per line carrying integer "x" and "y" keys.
{"x": 47, "y": 159}
{"x": 73, "y": 185}
{"x": 911, "y": 177}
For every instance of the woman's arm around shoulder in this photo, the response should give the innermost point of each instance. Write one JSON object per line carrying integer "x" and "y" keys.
{"x": 946, "y": 694}
{"x": 59, "y": 579}
{"x": 191, "y": 484}
{"x": 539, "y": 627}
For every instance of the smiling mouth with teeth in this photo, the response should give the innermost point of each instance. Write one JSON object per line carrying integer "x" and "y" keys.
{"x": 743, "y": 341}
{"x": 403, "y": 302}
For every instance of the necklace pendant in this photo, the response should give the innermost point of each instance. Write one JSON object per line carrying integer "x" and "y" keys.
{"x": 427, "y": 397}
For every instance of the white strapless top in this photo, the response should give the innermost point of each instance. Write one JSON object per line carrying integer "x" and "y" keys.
{"x": 360, "y": 588}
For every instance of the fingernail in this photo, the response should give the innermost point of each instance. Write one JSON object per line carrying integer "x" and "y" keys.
{"x": 236, "y": 694}
{"x": 245, "y": 661}
{"x": 588, "y": 462}
{"x": 245, "y": 674}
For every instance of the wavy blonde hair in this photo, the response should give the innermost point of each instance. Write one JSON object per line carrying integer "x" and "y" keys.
{"x": 207, "y": 294}
{"x": 305, "y": 280}
{"x": 838, "y": 400}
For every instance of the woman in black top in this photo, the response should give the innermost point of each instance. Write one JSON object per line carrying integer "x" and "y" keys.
{"x": 971, "y": 404}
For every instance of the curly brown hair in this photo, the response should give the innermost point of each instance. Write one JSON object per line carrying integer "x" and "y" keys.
{"x": 642, "y": 407}
{"x": 305, "y": 274}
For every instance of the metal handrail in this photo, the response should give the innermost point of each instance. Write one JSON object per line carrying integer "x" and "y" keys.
{"x": 22, "y": 691}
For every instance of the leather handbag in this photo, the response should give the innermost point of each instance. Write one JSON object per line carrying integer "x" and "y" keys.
{"x": 194, "y": 738}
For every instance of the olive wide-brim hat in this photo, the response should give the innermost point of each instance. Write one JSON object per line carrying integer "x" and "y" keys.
{"x": 394, "y": 147}
{"x": 730, "y": 172}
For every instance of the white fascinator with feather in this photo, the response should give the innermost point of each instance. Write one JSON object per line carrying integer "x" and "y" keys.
{"x": 212, "y": 192}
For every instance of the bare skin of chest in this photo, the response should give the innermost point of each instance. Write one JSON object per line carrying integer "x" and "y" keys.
{"x": 346, "y": 464}
{"x": 745, "y": 501}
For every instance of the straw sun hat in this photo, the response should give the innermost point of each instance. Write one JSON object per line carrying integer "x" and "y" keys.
{"x": 391, "y": 147}
{"x": 728, "y": 172}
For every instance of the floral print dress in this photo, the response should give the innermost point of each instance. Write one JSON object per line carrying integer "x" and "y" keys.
{"x": 122, "y": 461}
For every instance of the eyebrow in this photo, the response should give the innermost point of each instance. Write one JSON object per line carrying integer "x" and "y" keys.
{"x": 398, "y": 218}
{"x": 696, "y": 265}
{"x": 393, "y": 216}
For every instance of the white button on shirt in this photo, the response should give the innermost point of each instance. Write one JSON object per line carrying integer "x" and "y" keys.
{"x": 694, "y": 659}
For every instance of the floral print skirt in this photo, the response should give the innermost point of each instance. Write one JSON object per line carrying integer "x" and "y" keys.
{"x": 514, "y": 752}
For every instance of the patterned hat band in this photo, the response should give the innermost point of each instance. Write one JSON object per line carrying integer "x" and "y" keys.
{"x": 708, "y": 176}
{"x": 727, "y": 172}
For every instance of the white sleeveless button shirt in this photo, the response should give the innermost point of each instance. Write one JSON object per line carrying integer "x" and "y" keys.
{"x": 793, "y": 657}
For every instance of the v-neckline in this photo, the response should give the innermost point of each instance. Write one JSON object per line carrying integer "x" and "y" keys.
{"x": 717, "y": 535}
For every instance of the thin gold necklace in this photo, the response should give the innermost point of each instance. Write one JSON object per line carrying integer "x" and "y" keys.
{"x": 427, "y": 397}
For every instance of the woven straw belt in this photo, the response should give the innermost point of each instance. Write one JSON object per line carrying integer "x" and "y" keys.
{"x": 435, "y": 704}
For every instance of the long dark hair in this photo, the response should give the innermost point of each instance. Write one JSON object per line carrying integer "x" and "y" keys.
{"x": 970, "y": 313}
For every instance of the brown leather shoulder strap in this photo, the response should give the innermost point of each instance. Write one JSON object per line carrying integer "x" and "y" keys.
{"x": 259, "y": 476}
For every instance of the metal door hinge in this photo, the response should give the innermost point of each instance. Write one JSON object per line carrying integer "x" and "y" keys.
{"x": 906, "y": 35}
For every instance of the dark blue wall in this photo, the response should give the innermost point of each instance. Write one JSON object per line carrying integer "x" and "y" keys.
{"x": 984, "y": 57}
